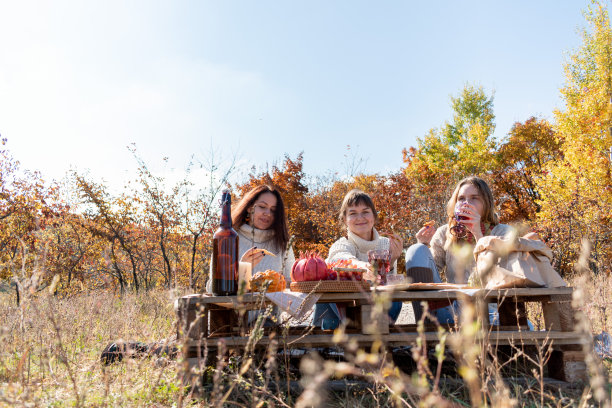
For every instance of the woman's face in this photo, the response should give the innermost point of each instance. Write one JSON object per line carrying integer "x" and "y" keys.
{"x": 360, "y": 220}
{"x": 263, "y": 211}
{"x": 468, "y": 193}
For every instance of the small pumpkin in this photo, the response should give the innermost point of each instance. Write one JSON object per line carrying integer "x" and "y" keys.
{"x": 260, "y": 279}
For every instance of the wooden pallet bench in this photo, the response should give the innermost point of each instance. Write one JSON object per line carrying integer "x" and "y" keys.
{"x": 206, "y": 320}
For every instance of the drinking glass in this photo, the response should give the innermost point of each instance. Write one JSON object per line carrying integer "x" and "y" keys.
{"x": 380, "y": 260}
{"x": 459, "y": 229}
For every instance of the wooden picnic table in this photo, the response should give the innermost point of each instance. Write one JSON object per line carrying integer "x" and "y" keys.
{"x": 205, "y": 320}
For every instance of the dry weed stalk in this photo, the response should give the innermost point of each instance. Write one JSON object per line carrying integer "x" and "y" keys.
{"x": 598, "y": 381}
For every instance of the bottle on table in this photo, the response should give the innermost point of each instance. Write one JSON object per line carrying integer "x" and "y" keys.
{"x": 225, "y": 252}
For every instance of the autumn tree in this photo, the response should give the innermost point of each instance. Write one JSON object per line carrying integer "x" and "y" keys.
{"x": 462, "y": 147}
{"x": 199, "y": 213}
{"x": 161, "y": 212}
{"x": 73, "y": 256}
{"x": 523, "y": 158}
{"x": 576, "y": 191}
{"x": 112, "y": 219}
{"x": 28, "y": 205}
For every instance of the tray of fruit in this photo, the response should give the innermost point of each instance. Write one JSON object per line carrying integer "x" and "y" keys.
{"x": 310, "y": 273}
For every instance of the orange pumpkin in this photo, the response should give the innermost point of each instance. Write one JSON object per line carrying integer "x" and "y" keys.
{"x": 277, "y": 281}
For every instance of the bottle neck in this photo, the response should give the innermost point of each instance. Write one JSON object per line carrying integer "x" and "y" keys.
{"x": 226, "y": 211}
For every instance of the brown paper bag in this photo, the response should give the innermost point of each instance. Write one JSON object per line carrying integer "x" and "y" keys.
{"x": 506, "y": 262}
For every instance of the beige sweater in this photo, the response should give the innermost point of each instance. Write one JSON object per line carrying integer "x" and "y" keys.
{"x": 446, "y": 259}
{"x": 356, "y": 248}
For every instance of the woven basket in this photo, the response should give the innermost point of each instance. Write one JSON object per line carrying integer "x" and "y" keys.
{"x": 330, "y": 286}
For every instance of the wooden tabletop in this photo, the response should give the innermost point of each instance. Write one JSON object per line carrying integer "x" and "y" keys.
{"x": 520, "y": 294}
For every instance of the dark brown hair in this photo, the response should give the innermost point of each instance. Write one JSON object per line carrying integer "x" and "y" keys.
{"x": 241, "y": 209}
{"x": 355, "y": 197}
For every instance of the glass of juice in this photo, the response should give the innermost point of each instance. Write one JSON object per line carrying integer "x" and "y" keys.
{"x": 459, "y": 229}
{"x": 380, "y": 260}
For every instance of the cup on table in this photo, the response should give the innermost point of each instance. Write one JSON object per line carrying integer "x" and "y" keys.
{"x": 396, "y": 279}
{"x": 244, "y": 274}
{"x": 380, "y": 260}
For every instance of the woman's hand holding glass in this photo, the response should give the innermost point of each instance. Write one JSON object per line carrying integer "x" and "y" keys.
{"x": 470, "y": 217}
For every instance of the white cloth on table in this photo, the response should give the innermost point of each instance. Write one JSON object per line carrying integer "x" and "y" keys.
{"x": 295, "y": 303}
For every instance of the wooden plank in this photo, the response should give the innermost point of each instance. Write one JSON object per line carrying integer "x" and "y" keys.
{"x": 524, "y": 294}
{"x": 558, "y": 316}
{"x": 403, "y": 339}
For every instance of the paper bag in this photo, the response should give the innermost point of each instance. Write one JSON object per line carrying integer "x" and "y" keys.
{"x": 506, "y": 262}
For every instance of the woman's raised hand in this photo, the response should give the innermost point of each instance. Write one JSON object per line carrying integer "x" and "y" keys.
{"x": 425, "y": 234}
{"x": 471, "y": 220}
{"x": 252, "y": 256}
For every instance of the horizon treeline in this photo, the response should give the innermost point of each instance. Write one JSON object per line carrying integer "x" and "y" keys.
{"x": 550, "y": 177}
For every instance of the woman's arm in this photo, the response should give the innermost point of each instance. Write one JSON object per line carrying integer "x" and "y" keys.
{"x": 437, "y": 247}
{"x": 343, "y": 249}
{"x": 503, "y": 230}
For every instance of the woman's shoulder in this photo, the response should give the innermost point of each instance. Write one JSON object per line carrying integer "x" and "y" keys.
{"x": 340, "y": 249}
{"x": 342, "y": 242}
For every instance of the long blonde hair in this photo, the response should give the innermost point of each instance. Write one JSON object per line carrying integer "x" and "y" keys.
{"x": 489, "y": 215}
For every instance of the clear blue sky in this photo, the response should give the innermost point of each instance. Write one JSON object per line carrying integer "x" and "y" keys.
{"x": 80, "y": 80}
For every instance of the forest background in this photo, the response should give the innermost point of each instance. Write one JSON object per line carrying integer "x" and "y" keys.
{"x": 75, "y": 235}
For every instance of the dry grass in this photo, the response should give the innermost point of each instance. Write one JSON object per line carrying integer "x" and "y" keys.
{"x": 50, "y": 351}
{"x": 50, "y": 356}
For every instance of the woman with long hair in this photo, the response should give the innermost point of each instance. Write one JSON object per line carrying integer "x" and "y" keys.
{"x": 261, "y": 223}
{"x": 471, "y": 215}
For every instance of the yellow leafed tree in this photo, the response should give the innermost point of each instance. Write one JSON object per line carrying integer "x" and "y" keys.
{"x": 577, "y": 190}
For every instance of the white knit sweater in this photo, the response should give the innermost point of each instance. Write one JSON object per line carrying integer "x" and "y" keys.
{"x": 264, "y": 239}
{"x": 248, "y": 237}
{"x": 356, "y": 248}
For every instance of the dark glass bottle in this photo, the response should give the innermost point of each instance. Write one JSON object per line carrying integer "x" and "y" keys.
{"x": 225, "y": 252}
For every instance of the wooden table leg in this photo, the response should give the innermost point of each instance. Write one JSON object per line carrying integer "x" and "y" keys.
{"x": 512, "y": 313}
{"x": 223, "y": 321}
{"x": 372, "y": 322}
{"x": 566, "y": 362}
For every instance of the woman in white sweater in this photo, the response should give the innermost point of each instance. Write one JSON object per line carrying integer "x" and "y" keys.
{"x": 260, "y": 221}
{"x": 359, "y": 215}
{"x": 472, "y": 202}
